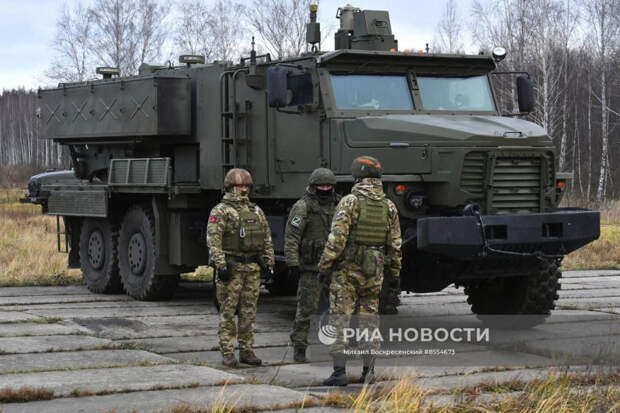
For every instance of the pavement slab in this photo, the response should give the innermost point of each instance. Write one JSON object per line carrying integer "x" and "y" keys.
{"x": 39, "y": 329}
{"x": 202, "y": 343}
{"x": 42, "y": 344}
{"x": 258, "y": 396}
{"x": 63, "y": 360}
{"x": 66, "y": 298}
{"x": 37, "y": 290}
{"x": 13, "y": 316}
{"x": 122, "y": 379}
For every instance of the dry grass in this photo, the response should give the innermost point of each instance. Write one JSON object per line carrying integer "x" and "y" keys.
{"x": 28, "y": 245}
{"x": 25, "y": 394}
{"x": 604, "y": 253}
{"x": 557, "y": 393}
{"x": 28, "y": 254}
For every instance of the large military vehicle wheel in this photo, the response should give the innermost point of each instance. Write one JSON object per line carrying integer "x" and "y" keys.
{"x": 137, "y": 258}
{"x": 98, "y": 260}
{"x": 532, "y": 295}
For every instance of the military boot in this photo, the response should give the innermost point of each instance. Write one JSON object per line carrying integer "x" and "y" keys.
{"x": 339, "y": 376}
{"x": 229, "y": 360}
{"x": 368, "y": 371}
{"x": 248, "y": 357}
{"x": 299, "y": 354}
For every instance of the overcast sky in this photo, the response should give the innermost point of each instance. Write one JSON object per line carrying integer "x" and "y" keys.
{"x": 27, "y": 28}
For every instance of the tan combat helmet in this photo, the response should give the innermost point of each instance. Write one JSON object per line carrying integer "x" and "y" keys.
{"x": 237, "y": 176}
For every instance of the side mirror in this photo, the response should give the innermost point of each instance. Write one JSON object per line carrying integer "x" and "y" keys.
{"x": 278, "y": 94}
{"x": 525, "y": 94}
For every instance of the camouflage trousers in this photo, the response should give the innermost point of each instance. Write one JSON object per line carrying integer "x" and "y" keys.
{"x": 239, "y": 295}
{"x": 351, "y": 293}
{"x": 308, "y": 294}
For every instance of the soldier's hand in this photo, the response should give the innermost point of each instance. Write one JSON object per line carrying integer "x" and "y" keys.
{"x": 395, "y": 283}
{"x": 293, "y": 271}
{"x": 224, "y": 274}
{"x": 325, "y": 278}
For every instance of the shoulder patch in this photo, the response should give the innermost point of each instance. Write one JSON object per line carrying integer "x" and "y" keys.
{"x": 296, "y": 221}
{"x": 212, "y": 218}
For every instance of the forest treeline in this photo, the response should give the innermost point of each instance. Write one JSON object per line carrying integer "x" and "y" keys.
{"x": 571, "y": 49}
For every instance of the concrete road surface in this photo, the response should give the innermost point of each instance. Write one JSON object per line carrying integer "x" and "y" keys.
{"x": 109, "y": 352}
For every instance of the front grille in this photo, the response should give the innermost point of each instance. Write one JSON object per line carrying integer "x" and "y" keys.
{"x": 472, "y": 176}
{"x": 516, "y": 184}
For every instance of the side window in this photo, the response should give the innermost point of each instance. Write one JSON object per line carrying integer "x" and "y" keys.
{"x": 301, "y": 85}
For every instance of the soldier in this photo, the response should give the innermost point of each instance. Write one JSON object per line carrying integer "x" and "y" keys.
{"x": 364, "y": 242}
{"x": 305, "y": 236}
{"x": 239, "y": 242}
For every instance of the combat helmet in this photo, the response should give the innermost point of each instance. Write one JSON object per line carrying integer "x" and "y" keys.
{"x": 366, "y": 167}
{"x": 322, "y": 176}
{"x": 237, "y": 176}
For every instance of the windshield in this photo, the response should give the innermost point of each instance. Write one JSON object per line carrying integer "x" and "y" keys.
{"x": 372, "y": 92}
{"x": 456, "y": 93}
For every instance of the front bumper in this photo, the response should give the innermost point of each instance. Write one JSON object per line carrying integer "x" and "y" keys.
{"x": 551, "y": 233}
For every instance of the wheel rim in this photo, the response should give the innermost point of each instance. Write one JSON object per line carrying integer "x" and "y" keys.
{"x": 137, "y": 253}
{"x": 96, "y": 250}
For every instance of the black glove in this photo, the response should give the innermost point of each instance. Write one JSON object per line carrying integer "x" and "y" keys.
{"x": 325, "y": 278}
{"x": 293, "y": 271}
{"x": 224, "y": 274}
{"x": 395, "y": 284}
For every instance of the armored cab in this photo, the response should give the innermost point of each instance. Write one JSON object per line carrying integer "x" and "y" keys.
{"x": 477, "y": 191}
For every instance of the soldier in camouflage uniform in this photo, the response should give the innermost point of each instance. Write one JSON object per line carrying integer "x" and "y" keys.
{"x": 364, "y": 242}
{"x": 239, "y": 242}
{"x": 305, "y": 236}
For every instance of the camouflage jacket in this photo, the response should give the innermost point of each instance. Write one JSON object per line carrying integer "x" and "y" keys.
{"x": 225, "y": 218}
{"x": 306, "y": 231}
{"x": 347, "y": 214}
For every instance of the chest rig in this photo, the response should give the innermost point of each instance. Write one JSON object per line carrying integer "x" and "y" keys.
{"x": 247, "y": 235}
{"x": 316, "y": 231}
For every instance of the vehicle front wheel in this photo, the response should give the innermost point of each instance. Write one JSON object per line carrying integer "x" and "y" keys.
{"x": 137, "y": 255}
{"x": 98, "y": 258}
{"x": 532, "y": 295}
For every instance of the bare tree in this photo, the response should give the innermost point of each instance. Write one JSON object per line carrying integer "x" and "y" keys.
{"x": 193, "y": 34}
{"x": 128, "y": 32}
{"x": 280, "y": 24}
{"x": 212, "y": 31}
{"x": 71, "y": 44}
{"x": 603, "y": 17}
{"x": 227, "y": 29}
{"x": 449, "y": 37}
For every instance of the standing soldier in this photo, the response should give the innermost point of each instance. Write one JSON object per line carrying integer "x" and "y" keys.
{"x": 305, "y": 236}
{"x": 364, "y": 242}
{"x": 240, "y": 244}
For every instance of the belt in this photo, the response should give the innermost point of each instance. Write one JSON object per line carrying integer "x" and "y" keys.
{"x": 242, "y": 259}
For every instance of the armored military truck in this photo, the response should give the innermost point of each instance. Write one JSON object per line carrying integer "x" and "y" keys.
{"x": 477, "y": 191}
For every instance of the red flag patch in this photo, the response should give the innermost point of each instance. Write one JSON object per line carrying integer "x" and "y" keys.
{"x": 212, "y": 219}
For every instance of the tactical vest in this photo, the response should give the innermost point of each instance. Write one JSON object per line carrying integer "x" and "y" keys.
{"x": 315, "y": 234}
{"x": 367, "y": 238}
{"x": 248, "y": 236}
{"x": 372, "y": 225}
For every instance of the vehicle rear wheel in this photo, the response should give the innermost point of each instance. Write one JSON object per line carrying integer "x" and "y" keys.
{"x": 98, "y": 259}
{"x": 531, "y": 295}
{"x": 137, "y": 255}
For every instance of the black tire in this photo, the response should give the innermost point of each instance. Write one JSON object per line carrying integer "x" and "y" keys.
{"x": 98, "y": 256}
{"x": 137, "y": 255}
{"x": 531, "y": 295}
